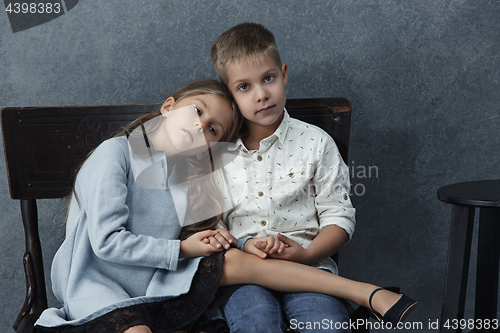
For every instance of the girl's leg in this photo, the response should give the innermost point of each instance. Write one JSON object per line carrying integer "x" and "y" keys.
{"x": 287, "y": 276}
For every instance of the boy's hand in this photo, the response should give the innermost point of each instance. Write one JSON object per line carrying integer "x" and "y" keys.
{"x": 222, "y": 239}
{"x": 194, "y": 246}
{"x": 294, "y": 251}
{"x": 264, "y": 246}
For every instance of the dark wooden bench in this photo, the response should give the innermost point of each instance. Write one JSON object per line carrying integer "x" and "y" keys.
{"x": 44, "y": 146}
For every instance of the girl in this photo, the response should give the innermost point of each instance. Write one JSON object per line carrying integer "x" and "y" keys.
{"x": 122, "y": 266}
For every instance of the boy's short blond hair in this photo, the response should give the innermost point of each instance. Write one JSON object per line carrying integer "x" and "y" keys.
{"x": 241, "y": 43}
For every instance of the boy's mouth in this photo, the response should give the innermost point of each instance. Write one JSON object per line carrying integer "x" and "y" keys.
{"x": 266, "y": 108}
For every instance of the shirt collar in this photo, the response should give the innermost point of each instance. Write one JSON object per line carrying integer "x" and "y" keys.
{"x": 280, "y": 133}
{"x": 237, "y": 146}
{"x": 282, "y": 129}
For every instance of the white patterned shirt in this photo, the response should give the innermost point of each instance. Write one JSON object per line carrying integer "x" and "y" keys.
{"x": 296, "y": 184}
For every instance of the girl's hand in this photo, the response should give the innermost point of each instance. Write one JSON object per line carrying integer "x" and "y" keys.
{"x": 264, "y": 246}
{"x": 194, "y": 246}
{"x": 223, "y": 239}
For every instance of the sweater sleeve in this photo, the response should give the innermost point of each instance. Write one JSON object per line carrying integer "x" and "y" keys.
{"x": 101, "y": 190}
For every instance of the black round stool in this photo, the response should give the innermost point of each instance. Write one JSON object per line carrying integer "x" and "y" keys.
{"x": 465, "y": 197}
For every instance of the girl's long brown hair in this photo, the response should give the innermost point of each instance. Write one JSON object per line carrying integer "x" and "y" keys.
{"x": 202, "y": 193}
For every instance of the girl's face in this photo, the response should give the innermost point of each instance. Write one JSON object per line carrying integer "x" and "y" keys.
{"x": 193, "y": 122}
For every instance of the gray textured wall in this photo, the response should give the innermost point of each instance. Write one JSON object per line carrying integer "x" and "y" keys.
{"x": 423, "y": 77}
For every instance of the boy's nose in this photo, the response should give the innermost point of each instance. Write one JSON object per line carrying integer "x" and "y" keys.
{"x": 261, "y": 94}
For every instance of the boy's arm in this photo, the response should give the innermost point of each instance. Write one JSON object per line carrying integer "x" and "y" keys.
{"x": 332, "y": 201}
{"x": 328, "y": 242}
{"x": 333, "y": 205}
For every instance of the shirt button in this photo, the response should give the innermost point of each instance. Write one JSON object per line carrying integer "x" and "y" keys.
{"x": 263, "y": 223}
{"x": 260, "y": 194}
{"x": 245, "y": 151}
{"x": 259, "y": 158}
{"x": 345, "y": 196}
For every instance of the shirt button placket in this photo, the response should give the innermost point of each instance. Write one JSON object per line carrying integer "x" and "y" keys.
{"x": 262, "y": 182}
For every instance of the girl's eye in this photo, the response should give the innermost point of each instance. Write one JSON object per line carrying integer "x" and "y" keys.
{"x": 243, "y": 87}
{"x": 214, "y": 132}
{"x": 268, "y": 78}
{"x": 198, "y": 111}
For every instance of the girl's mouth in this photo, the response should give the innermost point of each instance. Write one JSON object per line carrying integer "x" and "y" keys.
{"x": 189, "y": 134}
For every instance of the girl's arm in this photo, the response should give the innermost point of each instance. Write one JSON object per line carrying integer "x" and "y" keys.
{"x": 101, "y": 191}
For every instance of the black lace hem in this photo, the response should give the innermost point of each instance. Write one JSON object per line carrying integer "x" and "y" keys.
{"x": 164, "y": 316}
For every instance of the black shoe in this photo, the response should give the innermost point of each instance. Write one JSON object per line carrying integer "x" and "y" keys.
{"x": 398, "y": 312}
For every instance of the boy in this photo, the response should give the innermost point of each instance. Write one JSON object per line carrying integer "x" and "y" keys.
{"x": 296, "y": 205}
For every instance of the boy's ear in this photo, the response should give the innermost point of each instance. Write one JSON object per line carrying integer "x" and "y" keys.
{"x": 167, "y": 106}
{"x": 284, "y": 69}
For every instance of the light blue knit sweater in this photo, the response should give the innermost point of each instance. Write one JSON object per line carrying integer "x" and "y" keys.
{"x": 121, "y": 245}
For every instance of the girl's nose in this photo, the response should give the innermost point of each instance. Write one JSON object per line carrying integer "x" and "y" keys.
{"x": 198, "y": 127}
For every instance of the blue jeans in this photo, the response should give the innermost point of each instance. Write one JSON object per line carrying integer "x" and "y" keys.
{"x": 256, "y": 309}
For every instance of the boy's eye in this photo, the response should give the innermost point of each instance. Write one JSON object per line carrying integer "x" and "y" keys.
{"x": 243, "y": 87}
{"x": 198, "y": 111}
{"x": 268, "y": 78}
{"x": 214, "y": 132}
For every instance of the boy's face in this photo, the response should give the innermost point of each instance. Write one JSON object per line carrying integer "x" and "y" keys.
{"x": 259, "y": 90}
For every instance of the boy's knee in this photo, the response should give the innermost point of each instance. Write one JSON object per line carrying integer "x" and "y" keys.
{"x": 253, "y": 309}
